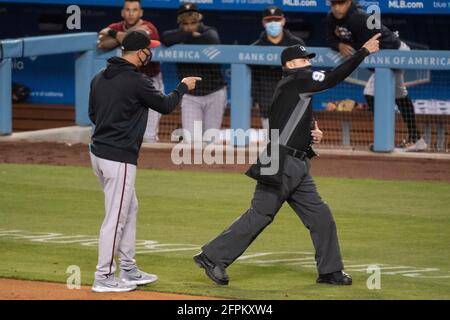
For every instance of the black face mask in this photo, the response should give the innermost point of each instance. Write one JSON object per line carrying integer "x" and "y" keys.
{"x": 147, "y": 59}
{"x": 287, "y": 71}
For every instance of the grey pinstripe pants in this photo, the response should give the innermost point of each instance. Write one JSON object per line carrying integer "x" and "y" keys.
{"x": 152, "y": 130}
{"x": 118, "y": 230}
{"x": 206, "y": 109}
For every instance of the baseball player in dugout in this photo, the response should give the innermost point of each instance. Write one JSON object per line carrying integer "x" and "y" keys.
{"x": 265, "y": 78}
{"x": 112, "y": 36}
{"x": 290, "y": 115}
{"x": 347, "y": 31}
{"x": 206, "y": 104}
{"x": 119, "y": 101}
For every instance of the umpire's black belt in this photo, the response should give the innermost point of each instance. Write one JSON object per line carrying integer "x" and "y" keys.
{"x": 302, "y": 155}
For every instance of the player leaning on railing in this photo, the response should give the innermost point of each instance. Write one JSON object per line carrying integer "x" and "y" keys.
{"x": 112, "y": 36}
{"x": 347, "y": 31}
{"x": 205, "y": 104}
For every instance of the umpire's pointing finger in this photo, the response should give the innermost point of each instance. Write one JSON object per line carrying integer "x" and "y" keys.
{"x": 376, "y": 37}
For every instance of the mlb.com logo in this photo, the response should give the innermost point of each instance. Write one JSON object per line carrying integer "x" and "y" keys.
{"x": 211, "y": 52}
{"x": 365, "y": 3}
{"x": 198, "y": 1}
{"x": 300, "y": 3}
{"x": 403, "y": 4}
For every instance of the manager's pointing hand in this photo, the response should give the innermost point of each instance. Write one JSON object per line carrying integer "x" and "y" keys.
{"x": 191, "y": 82}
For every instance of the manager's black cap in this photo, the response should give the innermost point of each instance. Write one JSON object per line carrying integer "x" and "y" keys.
{"x": 187, "y": 7}
{"x": 137, "y": 40}
{"x": 272, "y": 11}
{"x": 295, "y": 52}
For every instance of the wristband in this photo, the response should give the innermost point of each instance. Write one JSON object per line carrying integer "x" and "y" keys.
{"x": 112, "y": 33}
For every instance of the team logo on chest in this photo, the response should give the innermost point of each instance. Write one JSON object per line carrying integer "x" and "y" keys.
{"x": 343, "y": 33}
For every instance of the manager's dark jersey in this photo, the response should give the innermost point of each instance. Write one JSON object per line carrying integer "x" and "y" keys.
{"x": 352, "y": 30}
{"x": 119, "y": 100}
{"x": 303, "y": 83}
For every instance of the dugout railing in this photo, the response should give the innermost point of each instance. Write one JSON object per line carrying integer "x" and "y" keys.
{"x": 386, "y": 128}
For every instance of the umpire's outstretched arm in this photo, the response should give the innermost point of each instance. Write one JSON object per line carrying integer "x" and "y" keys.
{"x": 326, "y": 80}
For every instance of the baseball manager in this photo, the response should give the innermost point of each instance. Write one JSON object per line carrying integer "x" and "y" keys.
{"x": 119, "y": 101}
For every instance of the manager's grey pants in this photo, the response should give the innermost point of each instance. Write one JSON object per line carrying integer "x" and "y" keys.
{"x": 299, "y": 190}
{"x": 118, "y": 230}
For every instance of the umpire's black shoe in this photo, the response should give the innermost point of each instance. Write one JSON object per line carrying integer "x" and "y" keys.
{"x": 338, "y": 277}
{"x": 215, "y": 273}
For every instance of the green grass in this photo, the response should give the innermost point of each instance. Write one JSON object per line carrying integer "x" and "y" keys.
{"x": 387, "y": 222}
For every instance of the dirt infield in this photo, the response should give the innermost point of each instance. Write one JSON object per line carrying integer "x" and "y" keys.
{"x": 37, "y": 290}
{"x": 352, "y": 166}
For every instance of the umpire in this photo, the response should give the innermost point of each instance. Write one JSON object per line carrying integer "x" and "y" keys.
{"x": 290, "y": 113}
{"x": 119, "y": 101}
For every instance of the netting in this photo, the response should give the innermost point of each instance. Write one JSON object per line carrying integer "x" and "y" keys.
{"x": 207, "y": 103}
{"x": 343, "y": 113}
{"x": 432, "y": 110}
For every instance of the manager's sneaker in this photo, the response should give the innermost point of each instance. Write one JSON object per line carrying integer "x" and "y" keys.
{"x": 419, "y": 145}
{"x": 112, "y": 284}
{"x": 137, "y": 277}
{"x": 338, "y": 277}
{"x": 215, "y": 273}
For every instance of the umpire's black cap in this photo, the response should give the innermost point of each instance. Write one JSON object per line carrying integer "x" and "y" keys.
{"x": 295, "y": 52}
{"x": 272, "y": 12}
{"x": 187, "y": 7}
{"x": 137, "y": 40}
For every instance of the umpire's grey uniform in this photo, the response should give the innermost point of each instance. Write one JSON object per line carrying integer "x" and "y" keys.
{"x": 293, "y": 182}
